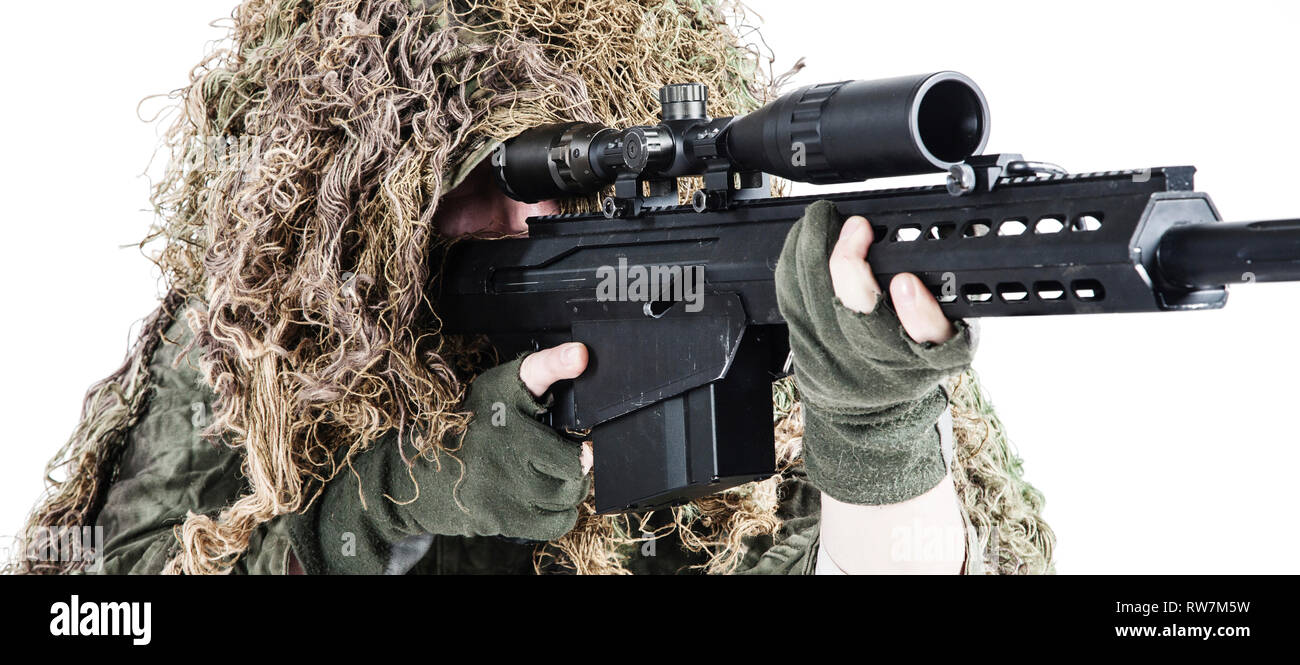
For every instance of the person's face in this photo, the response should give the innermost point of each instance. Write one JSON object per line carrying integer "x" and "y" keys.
{"x": 477, "y": 206}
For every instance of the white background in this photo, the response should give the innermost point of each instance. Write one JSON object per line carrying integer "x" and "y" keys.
{"x": 1164, "y": 443}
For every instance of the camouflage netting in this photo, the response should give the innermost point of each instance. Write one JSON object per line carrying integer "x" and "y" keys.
{"x": 306, "y": 162}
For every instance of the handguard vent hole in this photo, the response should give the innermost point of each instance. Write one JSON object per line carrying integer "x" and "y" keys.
{"x": 944, "y": 296}
{"x": 1086, "y": 222}
{"x": 1049, "y": 224}
{"x": 907, "y": 233}
{"x": 977, "y": 228}
{"x": 1012, "y": 227}
{"x": 657, "y": 308}
{"x": 940, "y": 230}
{"x": 1012, "y": 292}
{"x": 976, "y": 293}
{"x": 1049, "y": 290}
{"x": 1087, "y": 290}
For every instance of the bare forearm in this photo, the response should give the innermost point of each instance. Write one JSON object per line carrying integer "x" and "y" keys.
{"x": 923, "y": 535}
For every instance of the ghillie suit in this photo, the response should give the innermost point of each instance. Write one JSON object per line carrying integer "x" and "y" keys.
{"x": 297, "y": 220}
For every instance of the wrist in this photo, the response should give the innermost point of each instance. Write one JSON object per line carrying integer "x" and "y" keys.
{"x": 877, "y": 458}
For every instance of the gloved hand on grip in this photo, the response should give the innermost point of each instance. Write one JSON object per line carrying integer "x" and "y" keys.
{"x": 520, "y": 478}
{"x": 870, "y": 384}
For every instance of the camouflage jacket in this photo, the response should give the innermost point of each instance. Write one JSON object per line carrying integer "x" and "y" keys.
{"x": 168, "y": 470}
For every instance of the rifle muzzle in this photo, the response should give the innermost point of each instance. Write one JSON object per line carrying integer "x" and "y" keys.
{"x": 1204, "y": 256}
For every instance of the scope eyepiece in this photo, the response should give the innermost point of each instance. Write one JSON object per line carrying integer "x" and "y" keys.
{"x": 555, "y": 161}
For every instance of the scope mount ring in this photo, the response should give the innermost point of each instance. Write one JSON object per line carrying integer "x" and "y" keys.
{"x": 982, "y": 172}
{"x": 724, "y": 185}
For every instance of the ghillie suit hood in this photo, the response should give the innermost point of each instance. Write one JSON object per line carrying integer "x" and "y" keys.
{"x": 307, "y": 160}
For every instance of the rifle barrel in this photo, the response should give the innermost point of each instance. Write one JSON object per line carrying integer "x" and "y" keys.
{"x": 1199, "y": 256}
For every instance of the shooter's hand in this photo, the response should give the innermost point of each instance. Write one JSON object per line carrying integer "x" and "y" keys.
{"x": 870, "y": 383}
{"x": 857, "y": 289}
{"x": 541, "y": 369}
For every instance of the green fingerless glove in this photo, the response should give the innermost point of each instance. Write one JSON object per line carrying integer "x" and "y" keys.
{"x": 521, "y": 480}
{"x": 871, "y": 394}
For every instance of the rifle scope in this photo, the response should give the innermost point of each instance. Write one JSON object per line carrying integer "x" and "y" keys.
{"x": 826, "y": 133}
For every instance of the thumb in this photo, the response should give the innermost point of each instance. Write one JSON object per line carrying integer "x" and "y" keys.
{"x": 851, "y": 276}
{"x": 539, "y": 370}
